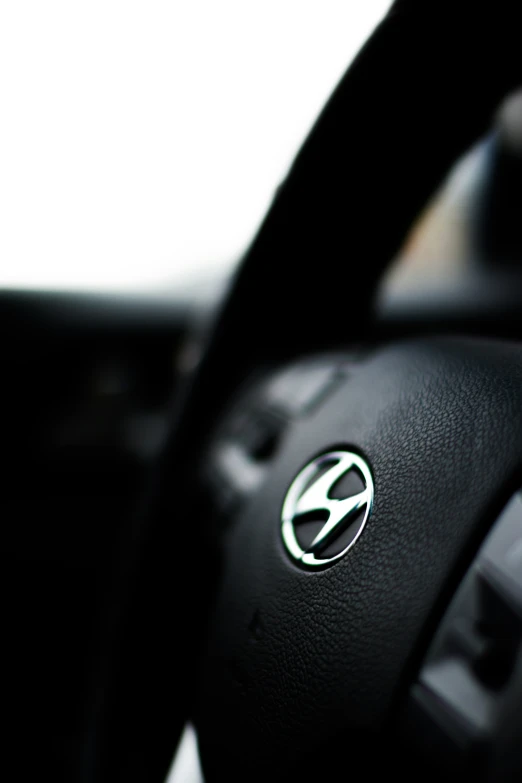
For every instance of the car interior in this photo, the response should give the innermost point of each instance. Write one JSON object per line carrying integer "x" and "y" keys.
{"x": 283, "y": 507}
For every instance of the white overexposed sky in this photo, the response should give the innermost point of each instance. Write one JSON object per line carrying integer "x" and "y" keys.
{"x": 141, "y": 142}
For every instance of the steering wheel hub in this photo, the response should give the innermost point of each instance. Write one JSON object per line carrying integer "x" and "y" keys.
{"x": 319, "y": 651}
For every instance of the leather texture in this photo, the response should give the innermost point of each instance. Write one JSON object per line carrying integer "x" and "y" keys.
{"x": 303, "y": 665}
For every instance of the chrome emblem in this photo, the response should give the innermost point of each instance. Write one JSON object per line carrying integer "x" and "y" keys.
{"x": 311, "y": 503}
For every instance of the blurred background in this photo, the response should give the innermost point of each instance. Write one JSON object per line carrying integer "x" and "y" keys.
{"x": 141, "y": 143}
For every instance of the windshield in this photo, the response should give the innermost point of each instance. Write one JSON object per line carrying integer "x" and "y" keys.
{"x": 141, "y": 142}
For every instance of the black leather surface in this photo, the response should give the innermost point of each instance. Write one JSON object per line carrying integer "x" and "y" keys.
{"x": 303, "y": 665}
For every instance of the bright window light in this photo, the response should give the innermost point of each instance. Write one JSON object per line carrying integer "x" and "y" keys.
{"x": 141, "y": 142}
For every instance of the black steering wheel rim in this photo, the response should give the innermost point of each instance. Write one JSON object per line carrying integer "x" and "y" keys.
{"x": 422, "y": 90}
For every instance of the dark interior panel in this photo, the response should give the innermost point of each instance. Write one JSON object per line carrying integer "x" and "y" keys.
{"x": 86, "y": 388}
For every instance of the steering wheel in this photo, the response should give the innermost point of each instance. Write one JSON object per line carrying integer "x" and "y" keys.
{"x": 301, "y": 620}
